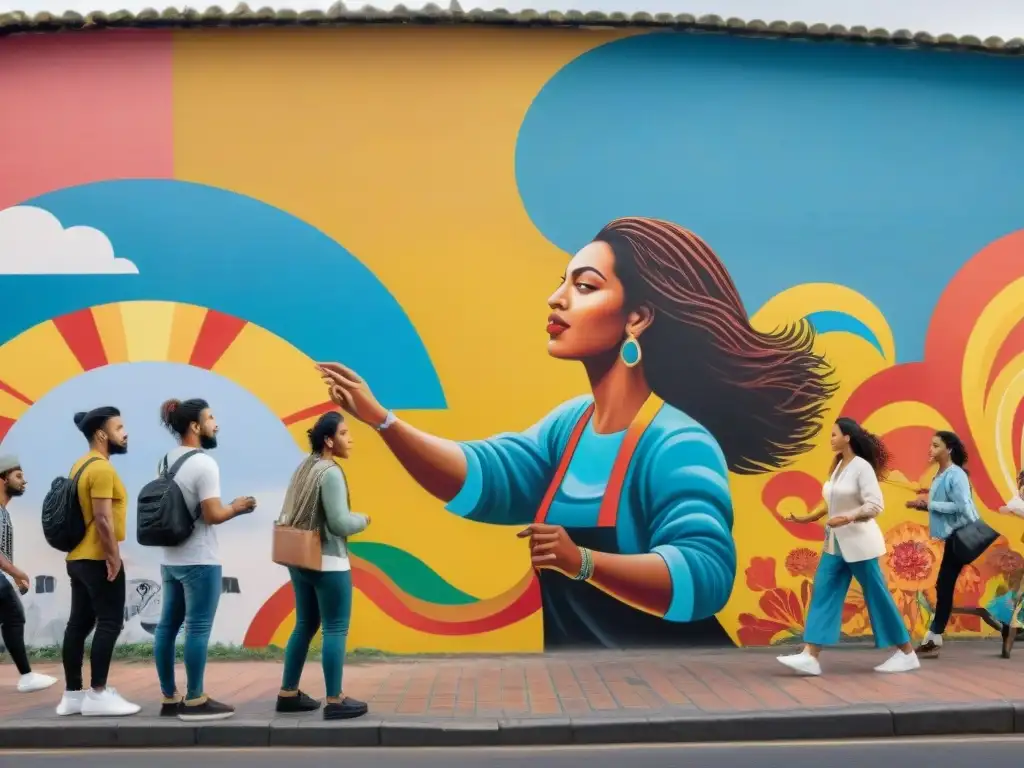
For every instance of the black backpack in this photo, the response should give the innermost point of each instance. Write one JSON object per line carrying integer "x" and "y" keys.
{"x": 164, "y": 519}
{"x": 63, "y": 522}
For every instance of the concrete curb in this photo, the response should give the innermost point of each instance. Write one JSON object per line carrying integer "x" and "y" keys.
{"x": 869, "y": 721}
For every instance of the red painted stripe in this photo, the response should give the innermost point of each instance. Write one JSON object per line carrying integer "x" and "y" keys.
{"x": 608, "y": 514}
{"x": 1012, "y": 346}
{"x": 5, "y": 426}
{"x": 563, "y": 465}
{"x": 1015, "y": 435}
{"x": 793, "y": 484}
{"x": 4, "y": 387}
{"x": 274, "y": 612}
{"x": 217, "y": 333}
{"x": 83, "y": 338}
{"x": 307, "y": 413}
{"x": 525, "y": 605}
{"x": 269, "y": 617}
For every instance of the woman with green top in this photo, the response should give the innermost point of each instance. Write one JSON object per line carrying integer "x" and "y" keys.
{"x": 318, "y": 497}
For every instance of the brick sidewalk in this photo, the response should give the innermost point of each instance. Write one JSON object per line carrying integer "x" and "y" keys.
{"x": 610, "y": 686}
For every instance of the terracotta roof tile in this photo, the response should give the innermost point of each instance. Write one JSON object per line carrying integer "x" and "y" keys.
{"x": 339, "y": 14}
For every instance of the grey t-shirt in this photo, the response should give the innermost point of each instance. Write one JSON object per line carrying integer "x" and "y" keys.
{"x": 6, "y": 538}
{"x": 199, "y": 480}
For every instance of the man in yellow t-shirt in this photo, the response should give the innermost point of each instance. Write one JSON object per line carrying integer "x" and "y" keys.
{"x": 95, "y": 569}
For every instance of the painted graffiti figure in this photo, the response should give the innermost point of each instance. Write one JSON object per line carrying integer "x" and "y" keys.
{"x": 624, "y": 492}
{"x": 854, "y": 543}
{"x": 14, "y": 580}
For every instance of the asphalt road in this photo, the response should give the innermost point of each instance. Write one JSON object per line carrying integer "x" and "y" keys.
{"x": 949, "y": 753}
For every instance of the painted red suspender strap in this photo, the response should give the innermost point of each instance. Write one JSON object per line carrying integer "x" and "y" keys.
{"x": 563, "y": 464}
{"x": 608, "y": 513}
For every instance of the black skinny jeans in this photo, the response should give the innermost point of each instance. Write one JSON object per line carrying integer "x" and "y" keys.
{"x": 949, "y": 572}
{"x": 12, "y": 625}
{"x": 95, "y": 602}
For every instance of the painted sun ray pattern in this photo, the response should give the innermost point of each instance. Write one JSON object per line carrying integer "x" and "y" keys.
{"x": 94, "y": 337}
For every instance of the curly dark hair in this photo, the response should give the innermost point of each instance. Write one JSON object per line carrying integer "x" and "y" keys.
{"x": 866, "y": 445}
{"x": 762, "y": 395}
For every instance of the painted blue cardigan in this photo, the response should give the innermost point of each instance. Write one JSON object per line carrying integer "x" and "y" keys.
{"x": 675, "y": 500}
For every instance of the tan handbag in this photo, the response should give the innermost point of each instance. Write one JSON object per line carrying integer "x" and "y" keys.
{"x": 297, "y": 531}
{"x": 297, "y": 548}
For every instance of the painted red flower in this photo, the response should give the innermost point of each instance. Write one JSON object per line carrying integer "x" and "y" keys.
{"x": 784, "y": 611}
{"x": 761, "y": 574}
{"x": 802, "y": 562}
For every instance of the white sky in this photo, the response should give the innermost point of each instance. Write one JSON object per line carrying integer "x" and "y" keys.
{"x": 983, "y": 18}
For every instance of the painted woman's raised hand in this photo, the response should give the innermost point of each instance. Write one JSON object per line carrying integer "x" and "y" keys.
{"x": 351, "y": 393}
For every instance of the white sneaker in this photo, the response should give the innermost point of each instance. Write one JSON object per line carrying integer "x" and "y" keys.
{"x": 107, "y": 703}
{"x": 34, "y": 681}
{"x": 802, "y": 663}
{"x": 900, "y": 662}
{"x": 71, "y": 703}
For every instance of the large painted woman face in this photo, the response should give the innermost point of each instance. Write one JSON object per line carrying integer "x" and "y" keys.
{"x": 588, "y": 317}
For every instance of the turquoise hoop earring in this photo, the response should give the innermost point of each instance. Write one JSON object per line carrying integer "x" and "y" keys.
{"x": 630, "y": 352}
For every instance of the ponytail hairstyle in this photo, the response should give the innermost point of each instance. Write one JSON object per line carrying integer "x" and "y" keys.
{"x": 866, "y": 445}
{"x": 178, "y": 415}
{"x": 957, "y": 450}
{"x": 324, "y": 428}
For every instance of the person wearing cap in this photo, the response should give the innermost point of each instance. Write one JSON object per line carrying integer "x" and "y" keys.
{"x": 95, "y": 569}
{"x": 14, "y": 580}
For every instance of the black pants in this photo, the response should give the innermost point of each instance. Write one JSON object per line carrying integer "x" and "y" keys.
{"x": 12, "y": 625}
{"x": 949, "y": 572}
{"x": 95, "y": 602}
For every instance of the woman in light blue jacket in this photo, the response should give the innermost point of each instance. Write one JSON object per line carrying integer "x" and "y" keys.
{"x": 950, "y": 507}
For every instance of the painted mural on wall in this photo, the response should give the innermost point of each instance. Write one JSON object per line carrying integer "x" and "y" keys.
{"x": 776, "y": 254}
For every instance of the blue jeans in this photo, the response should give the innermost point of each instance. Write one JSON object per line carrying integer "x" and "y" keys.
{"x": 321, "y": 598}
{"x": 832, "y": 582}
{"x": 190, "y": 596}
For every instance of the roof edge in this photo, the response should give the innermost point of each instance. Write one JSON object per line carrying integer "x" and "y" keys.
{"x": 338, "y": 15}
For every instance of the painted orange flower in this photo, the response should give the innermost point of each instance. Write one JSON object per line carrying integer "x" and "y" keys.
{"x": 802, "y": 562}
{"x": 912, "y": 559}
{"x": 1000, "y": 560}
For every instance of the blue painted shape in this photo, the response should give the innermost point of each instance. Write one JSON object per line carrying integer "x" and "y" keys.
{"x": 829, "y": 321}
{"x": 218, "y": 249}
{"x": 880, "y": 169}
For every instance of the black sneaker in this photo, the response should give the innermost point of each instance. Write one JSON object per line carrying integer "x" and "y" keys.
{"x": 298, "y": 703}
{"x": 207, "y": 710}
{"x": 928, "y": 650}
{"x": 171, "y": 708}
{"x": 345, "y": 709}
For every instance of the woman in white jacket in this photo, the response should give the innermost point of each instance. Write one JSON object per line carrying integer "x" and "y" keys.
{"x": 853, "y": 546}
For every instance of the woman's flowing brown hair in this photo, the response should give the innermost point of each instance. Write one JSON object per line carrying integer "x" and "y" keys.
{"x": 761, "y": 395}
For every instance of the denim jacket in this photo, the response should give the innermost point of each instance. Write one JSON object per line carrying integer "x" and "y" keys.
{"x": 950, "y": 503}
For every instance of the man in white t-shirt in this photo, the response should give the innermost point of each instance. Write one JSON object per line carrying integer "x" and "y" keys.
{"x": 191, "y": 571}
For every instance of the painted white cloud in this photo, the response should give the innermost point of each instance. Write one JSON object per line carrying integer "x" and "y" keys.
{"x": 34, "y": 242}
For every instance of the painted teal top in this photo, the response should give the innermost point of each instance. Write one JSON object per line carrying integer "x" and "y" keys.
{"x": 950, "y": 503}
{"x": 675, "y": 499}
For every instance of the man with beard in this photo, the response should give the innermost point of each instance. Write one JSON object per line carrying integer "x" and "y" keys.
{"x": 12, "y": 614}
{"x": 191, "y": 571}
{"x": 95, "y": 569}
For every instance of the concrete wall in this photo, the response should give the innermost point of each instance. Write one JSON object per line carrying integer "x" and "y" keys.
{"x": 207, "y": 213}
